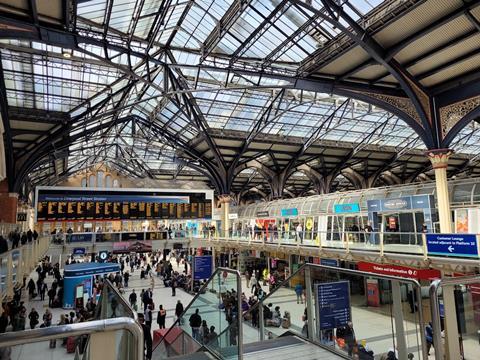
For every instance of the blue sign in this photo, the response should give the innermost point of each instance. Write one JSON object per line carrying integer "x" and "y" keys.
{"x": 402, "y": 203}
{"x": 462, "y": 245}
{"x": 93, "y": 268}
{"x": 289, "y": 212}
{"x": 333, "y": 301}
{"x": 329, "y": 262}
{"x": 346, "y": 208}
{"x": 202, "y": 267}
{"x": 79, "y": 251}
{"x": 80, "y": 237}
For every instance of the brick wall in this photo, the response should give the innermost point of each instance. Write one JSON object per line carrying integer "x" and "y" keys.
{"x": 8, "y": 204}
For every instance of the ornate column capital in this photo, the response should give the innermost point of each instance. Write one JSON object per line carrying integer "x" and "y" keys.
{"x": 225, "y": 198}
{"x": 439, "y": 157}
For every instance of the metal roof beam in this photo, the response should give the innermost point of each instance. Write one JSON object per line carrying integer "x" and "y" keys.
{"x": 377, "y": 52}
{"x": 281, "y": 8}
{"x": 223, "y": 26}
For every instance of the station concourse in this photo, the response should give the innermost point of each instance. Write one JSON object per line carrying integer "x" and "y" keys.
{"x": 285, "y": 178}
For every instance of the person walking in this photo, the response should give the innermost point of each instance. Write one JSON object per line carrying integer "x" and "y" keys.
{"x": 162, "y": 314}
{"x": 33, "y": 317}
{"x": 299, "y": 292}
{"x": 195, "y": 323}
{"x": 43, "y": 290}
{"x": 31, "y": 289}
{"x": 429, "y": 337}
{"x": 147, "y": 337}
{"x": 174, "y": 286}
{"x": 133, "y": 300}
{"x": 248, "y": 276}
{"x": 179, "y": 311}
{"x": 148, "y": 316}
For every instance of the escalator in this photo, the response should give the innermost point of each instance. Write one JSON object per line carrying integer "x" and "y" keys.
{"x": 217, "y": 304}
{"x": 378, "y": 327}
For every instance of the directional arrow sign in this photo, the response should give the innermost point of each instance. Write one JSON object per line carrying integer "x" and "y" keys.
{"x": 460, "y": 245}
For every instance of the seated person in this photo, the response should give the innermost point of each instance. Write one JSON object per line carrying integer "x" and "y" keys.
{"x": 276, "y": 319}
{"x": 286, "y": 322}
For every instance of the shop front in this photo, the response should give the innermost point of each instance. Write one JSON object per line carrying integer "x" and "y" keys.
{"x": 402, "y": 220}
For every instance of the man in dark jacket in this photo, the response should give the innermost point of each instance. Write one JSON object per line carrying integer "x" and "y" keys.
{"x": 179, "y": 309}
{"x": 3, "y": 245}
{"x": 29, "y": 235}
{"x": 147, "y": 337}
{"x": 195, "y": 323}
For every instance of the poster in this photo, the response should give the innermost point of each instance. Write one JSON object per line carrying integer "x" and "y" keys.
{"x": 373, "y": 294}
{"x": 461, "y": 221}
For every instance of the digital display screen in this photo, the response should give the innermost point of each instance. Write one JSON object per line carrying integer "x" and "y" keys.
{"x": 72, "y": 204}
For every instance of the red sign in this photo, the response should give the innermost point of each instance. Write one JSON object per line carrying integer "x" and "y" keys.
{"x": 392, "y": 222}
{"x": 400, "y": 271}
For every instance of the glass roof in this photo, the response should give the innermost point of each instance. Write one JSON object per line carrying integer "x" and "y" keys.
{"x": 183, "y": 67}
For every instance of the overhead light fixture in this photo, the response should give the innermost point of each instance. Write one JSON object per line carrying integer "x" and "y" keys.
{"x": 67, "y": 53}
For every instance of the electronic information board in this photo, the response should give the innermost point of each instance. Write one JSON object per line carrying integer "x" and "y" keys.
{"x": 80, "y": 204}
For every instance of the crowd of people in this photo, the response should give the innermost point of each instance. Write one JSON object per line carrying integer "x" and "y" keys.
{"x": 16, "y": 238}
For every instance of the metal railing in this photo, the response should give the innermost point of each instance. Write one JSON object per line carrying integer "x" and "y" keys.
{"x": 204, "y": 288}
{"x": 434, "y": 290}
{"x": 383, "y": 242}
{"x": 78, "y": 329}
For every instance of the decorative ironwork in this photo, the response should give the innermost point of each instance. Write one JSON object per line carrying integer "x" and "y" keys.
{"x": 453, "y": 113}
{"x": 403, "y": 104}
{"x": 423, "y": 98}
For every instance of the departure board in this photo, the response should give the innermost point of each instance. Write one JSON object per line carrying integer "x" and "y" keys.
{"x": 75, "y": 204}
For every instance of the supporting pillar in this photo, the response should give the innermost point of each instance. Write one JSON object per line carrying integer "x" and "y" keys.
{"x": 224, "y": 211}
{"x": 20, "y": 266}
{"x": 439, "y": 159}
{"x": 9, "y": 279}
{"x": 452, "y": 345}
{"x": 398, "y": 316}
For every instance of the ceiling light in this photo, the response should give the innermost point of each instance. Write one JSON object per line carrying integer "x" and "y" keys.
{"x": 67, "y": 54}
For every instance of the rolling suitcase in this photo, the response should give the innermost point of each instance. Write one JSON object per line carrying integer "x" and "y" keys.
{"x": 71, "y": 345}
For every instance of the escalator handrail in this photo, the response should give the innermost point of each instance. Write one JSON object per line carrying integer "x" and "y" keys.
{"x": 205, "y": 287}
{"x": 77, "y": 329}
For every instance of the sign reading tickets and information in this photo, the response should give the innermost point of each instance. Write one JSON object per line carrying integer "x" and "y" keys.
{"x": 333, "y": 302}
{"x": 105, "y": 204}
{"x": 202, "y": 267}
{"x": 460, "y": 245}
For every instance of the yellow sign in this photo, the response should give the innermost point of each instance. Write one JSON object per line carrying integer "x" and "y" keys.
{"x": 309, "y": 224}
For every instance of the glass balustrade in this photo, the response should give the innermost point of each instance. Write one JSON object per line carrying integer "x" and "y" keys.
{"x": 456, "y": 313}
{"x": 215, "y": 308}
{"x": 348, "y": 312}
